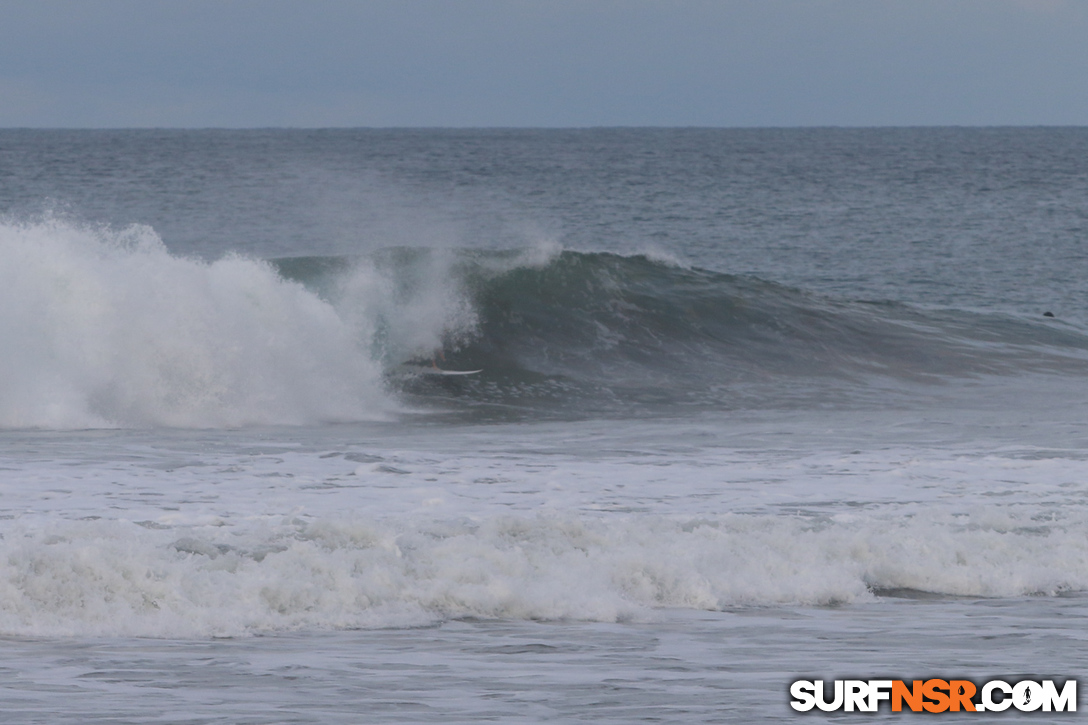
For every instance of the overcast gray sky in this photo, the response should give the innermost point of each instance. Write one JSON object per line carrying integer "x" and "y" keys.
{"x": 245, "y": 63}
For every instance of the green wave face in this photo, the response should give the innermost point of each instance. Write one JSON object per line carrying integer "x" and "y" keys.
{"x": 594, "y": 332}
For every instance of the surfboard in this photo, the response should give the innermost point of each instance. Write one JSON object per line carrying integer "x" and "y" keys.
{"x": 428, "y": 370}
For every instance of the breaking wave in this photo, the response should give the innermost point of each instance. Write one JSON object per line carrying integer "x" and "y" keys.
{"x": 583, "y": 333}
{"x": 107, "y": 328}
{"x": 103, "y": 327}
{"x": 64, "y": 578}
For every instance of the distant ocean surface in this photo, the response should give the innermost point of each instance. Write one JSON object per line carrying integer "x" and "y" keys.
{"x": 753, "y": 406}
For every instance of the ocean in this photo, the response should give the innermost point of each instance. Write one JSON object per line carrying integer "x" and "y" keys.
{"x": 752, "y": 406}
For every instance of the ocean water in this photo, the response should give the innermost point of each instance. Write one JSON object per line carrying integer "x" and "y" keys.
{"x": 753, "y": 406}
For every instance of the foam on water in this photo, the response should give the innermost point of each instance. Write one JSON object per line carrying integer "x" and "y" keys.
{"x": 106, "y": 328}
{"x": 126, "y": 533}
{"x": 120, "y": 578}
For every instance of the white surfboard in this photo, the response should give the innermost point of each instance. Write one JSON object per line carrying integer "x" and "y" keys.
{"x": 428, "y": 370}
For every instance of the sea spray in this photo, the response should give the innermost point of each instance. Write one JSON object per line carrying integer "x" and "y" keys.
{"x": 106, "y": 328}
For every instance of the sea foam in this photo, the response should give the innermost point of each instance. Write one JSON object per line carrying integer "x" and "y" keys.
{"x": 102, "y": 328}
{"x": 284, "y": 573}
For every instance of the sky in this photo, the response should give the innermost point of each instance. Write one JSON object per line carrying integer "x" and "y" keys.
{"x": 542, "y": 63}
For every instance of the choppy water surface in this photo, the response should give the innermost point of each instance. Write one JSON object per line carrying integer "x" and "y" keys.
{"x": 754, "y": 406}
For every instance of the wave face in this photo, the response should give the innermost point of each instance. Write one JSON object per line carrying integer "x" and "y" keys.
{"x": 603, "y": 333}
{"x": 107, "y": 328}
